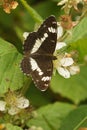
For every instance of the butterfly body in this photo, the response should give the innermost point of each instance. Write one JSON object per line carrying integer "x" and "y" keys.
{"x": 38, "y": 53}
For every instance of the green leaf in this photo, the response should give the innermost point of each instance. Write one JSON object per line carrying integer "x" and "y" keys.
{"x": 76, "y": 119}
{"x": 51, "y": 7}
{"x": 51, "y": 116}
{"x": 41, "y": 98}
{"x": 10, "y": 73}
{"x": 12, "y": 127}
{"x": 6, "y": 48}
{"x": 78, "y": 32}
{"x": 81, "y": 47}
{"x": 74, "y": 88}
{"x": 56, "y": 0}
{"x": 6, "y": 22}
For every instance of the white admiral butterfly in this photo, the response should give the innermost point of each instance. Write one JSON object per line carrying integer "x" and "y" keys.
{"x": 38, "y": 53}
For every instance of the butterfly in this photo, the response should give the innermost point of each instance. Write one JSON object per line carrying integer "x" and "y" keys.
{"x": 38, "y": 50}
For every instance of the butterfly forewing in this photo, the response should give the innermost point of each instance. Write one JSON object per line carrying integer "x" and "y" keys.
{"x": 29, "y": 42}
{"x": 49, "y": 37}
{"x": 38, "y": 53}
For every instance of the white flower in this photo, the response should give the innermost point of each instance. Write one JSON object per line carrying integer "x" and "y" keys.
{"x": 2, "y": 105}
{"x": 62, "y": 2}
{"x": 18, "y": 104}
{"x": 60, "y": 45}
{"x": 22, "y": 103}
{"x": 66, "y": 61}
{"x": 63, "y": 72}
{"x": 13, "y": 110}
{"x": 25, "y": 35}
{"x": 74, "y": 69}
{"x": 14, "y": 104}
{"x": 59, "y": 30}
{"x": 67, "y": 1}
{"x": 65, "y": 66}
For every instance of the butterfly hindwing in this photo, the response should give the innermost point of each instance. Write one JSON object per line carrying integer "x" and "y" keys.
{"x": 42, "y": 68}
{"x": 26, "y": 66}
{"x": 38, "y": 53}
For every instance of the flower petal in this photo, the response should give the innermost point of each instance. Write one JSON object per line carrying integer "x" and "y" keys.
{"x": 62, "y": 2}
{"x": 59, "y": 31}
{"x": 60, "y": 45}
{"x": 63, "y": 72}
{"x": 25, "y": 34}
{"x": 13, "y": 110}
{"x": 22, "y": 102}
{"x": 2, "y": 105}
{"x": 66, "y": 61}
{"x": 74, "y": 70}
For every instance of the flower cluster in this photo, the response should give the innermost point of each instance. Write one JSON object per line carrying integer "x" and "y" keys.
{"x": 70, "y": 3}
{"x": 9, "y": 5}
{"x": 13, "y": 104}
{"x": 64, "y": 64}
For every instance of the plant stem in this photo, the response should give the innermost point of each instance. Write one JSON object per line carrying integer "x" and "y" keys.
{"x": 80, "y": 123}
{"x": 32, "y": 12}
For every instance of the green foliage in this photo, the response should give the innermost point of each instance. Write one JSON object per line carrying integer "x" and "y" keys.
{"x": 51, "y": 116}
{"x": 76, "y": 119}
{"x": 79, "y": 32}
{"x": 10, "y": 75}
{"x": 12, "y": 127}
{"x": 51, "y": 113}
{"x": 74, "y": 88}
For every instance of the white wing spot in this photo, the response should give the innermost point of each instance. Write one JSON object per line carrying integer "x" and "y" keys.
{"x": 36, "y": 46}
{"x": 46, "y": 85}
{"x": 41, "y": 73}
{"x": 44, "y": 25}
{"x": 34, "y": 66}
{"x": 53, "y": 22}
{"x": 45, "y": 35}
{"x": 37, "y": 80}
{"x": 38, "y": 43}
{"x": 53, "y": 30}
{"x": 52, "y": 41}
{"x": 47, "y": 78}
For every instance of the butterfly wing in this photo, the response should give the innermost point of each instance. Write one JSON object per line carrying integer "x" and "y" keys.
{"x": 25, "y": 66}
{"x": 37, "y": 44}
{"x": 29, "y": 43}
{"x": 44, "y": 38}
{"x": 48, "y": 33}
{"x": 42, "y": 71}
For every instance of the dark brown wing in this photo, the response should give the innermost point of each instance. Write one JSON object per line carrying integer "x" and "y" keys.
{"x": 38, "y": 52}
